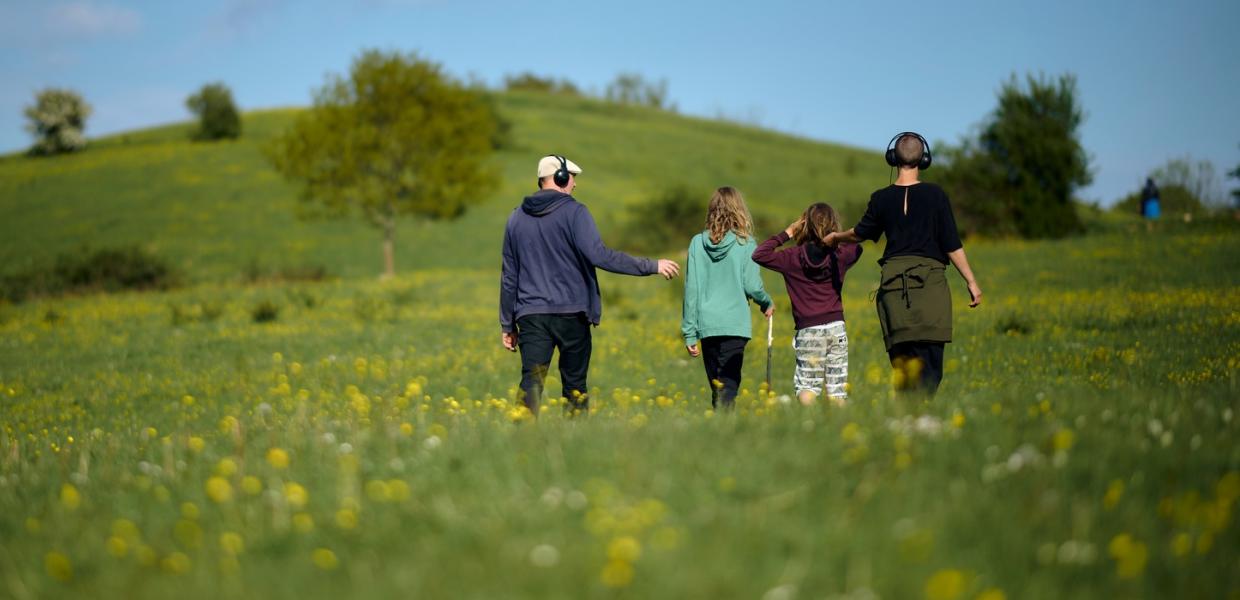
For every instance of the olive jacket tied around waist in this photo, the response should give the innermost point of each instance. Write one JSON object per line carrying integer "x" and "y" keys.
{"x": 913, "y": 301}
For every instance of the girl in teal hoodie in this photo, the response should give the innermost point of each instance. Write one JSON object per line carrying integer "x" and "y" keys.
{"x": 720, "y": 280}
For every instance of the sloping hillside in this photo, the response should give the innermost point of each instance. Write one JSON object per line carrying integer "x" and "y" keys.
{"x": 215, "y": 209}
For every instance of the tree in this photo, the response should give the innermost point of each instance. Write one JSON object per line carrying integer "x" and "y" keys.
{"x": 1020, "y": 173}
{"x": 631, "y": 88}
{"x": 1235, "y": 192}
{"x": 217, "y": 113}
{"x": 58, "y": 121}
{"x": 396, "y": 137}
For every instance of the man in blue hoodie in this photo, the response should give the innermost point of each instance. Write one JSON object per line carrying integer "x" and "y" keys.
{"x": 548, "y": 293}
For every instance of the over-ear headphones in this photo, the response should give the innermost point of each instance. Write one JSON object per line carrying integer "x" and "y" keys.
{"x": 561, "y": 174}
{"x": 926, "y": 159}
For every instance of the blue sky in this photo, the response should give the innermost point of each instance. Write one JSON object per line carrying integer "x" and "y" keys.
{"x": 1158, "y": 80}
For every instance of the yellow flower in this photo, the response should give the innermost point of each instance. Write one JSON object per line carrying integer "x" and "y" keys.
{"x": 624, "y": 549}
{"x": 277, "y": 458}
{"x": 189, "y": 510}
{"x": 226, "y": 467}
{"x": 58, "y": 566}
{"x": 176, "y": 563}
{"x": 303, "y": 523}
{"x": 1115, "y": 491}
{"x": 69, "y": 497}
{"x": 378, "y": 491}
{"x": 992, "y": 594}
{"x": 117, "y": 546}
{"x": 946, "y": 584}
{"x": 1130, "y": 556}
{"x": 617, "y": 574}
{"x": 324, "y": 559}
{"x": 1063, "y": 439}
{"x": 231, "y": 542}
{"x": 219, "y": 490}
{"x": 399, "y": 490}
{"x": 252, "y": 485}
{"x": 406, "y": 429}
{"x": 295, "y": 495}
{"x": 196, "y": 444}
{"x": 958, "y": 420}
{"x": 346, "y": 518}
{"x": 1182, "y": 544}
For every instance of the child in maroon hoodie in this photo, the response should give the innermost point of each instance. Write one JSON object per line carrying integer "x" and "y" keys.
{"x": 814, "y": 275}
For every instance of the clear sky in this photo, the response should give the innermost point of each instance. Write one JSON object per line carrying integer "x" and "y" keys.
{"x": 1158, "y": 80}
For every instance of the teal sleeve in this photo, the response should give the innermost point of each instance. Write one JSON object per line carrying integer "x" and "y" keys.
{"x": 689, "y": 312}
{"x": 753, "y": 284}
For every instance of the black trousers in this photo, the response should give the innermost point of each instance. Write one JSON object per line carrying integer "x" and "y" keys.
{"x": 922, "y": 363}
{"x": 723, "y": 357}
{"x": 540, "y": 335}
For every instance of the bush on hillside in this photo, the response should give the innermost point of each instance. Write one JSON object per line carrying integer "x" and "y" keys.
{"x": 104, "y": 270}
{"x": 58, "y": 122}
{"x": 530, "y": 82}
{"x": 671, "y": 217}
{"x": 218, "y": 118}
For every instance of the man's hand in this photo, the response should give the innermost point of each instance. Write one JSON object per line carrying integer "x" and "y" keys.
{"x": 832, "y": 239}
{"x": 693, "y": 350}
{"x": 975, "y": 295}
{"x": 668, "y": 268}
{"x": 510, "y": 341}
{"x": 770, "y": 311}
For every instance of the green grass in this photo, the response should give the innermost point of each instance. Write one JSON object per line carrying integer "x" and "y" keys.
{"x": 1083, "y": 444}
{"x": 1120, "y": 380}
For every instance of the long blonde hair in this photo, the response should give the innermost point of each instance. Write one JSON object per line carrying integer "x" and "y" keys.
{"x": 820, "y": 219}
{"x": 727, "y": 212}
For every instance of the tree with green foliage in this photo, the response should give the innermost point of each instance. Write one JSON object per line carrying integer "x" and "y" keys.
{"x": 396, "y": 137}
{"x": 58, "y": 121}
{"x": 1019, "y": 175}
{"x": 1235, "y": 192}
{"x": 217, "y": 113}
{"x": 632, "y": 88}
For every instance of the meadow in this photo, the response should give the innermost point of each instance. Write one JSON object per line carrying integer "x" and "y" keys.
{"x": 352, "y": 436}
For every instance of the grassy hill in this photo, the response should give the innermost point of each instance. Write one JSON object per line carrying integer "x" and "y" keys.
{"x": 216, "y": 208}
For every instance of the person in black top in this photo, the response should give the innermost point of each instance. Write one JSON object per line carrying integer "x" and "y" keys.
{"x": 913, "y": 300}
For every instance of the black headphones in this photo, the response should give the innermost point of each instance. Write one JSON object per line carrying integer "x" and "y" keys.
{"x": 925, "y": 151}
{"x": 561, "y": 174}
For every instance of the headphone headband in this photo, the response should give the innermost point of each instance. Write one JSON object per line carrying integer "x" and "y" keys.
{"x": 561, "y": 174}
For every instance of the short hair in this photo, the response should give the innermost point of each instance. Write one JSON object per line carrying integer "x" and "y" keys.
{"x": 909, "y": 150}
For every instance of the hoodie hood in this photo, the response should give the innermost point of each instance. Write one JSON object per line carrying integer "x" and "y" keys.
{"x": 818, "y": 264}
{"x": 718, "y": 252}
{"x": 543, "y": 202}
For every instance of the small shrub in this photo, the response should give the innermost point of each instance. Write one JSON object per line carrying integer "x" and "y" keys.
{"x": 107, "y": 270}
{"x": 265, "y": 311}
{"x": 204, "y": 312}
{"x": 665, "y": 221}
{"x": 1014, "y": 324}
{"x": 256, "y": 272}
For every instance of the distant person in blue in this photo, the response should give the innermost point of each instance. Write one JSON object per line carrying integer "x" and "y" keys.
{"x": 1150, "y": 206}
{"x": 548, "y": 293}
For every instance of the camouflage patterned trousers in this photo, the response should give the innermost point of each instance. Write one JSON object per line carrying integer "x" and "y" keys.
{"x": 822, "y": 360}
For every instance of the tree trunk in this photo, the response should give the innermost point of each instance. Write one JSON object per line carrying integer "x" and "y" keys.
{"x": 389, "y": 248}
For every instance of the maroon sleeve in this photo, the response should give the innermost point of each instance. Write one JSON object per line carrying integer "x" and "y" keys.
{"x": 768, "y": 255}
